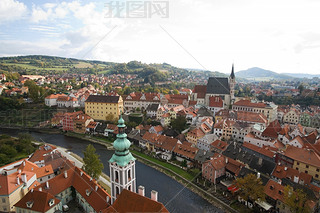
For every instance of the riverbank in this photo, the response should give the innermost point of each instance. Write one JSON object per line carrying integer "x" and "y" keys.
{"x": 171, "y": 184}
{"x": 188, "y": 184}
{"x": 177, "y": 174}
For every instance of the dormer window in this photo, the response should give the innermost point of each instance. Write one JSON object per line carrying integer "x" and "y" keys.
{"x": 88, "y": 192}
{"x": 51, "y": 202}
{"x": 30, "y": 204}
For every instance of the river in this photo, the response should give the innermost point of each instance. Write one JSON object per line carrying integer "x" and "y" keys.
{"x": 171, "y": 193}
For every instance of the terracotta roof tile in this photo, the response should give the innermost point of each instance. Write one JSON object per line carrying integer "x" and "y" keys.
{"x": 307, "y": 156}
{"x": 132, "y": 202}
{"x": 40, "y": 201}
{"x": 274, "y": 190}
{"x": 264, "y": 151}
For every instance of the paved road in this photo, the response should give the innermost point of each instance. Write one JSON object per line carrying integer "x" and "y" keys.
{"x": 78, "y": 163}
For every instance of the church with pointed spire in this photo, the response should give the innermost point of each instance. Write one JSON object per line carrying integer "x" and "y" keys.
{"x": 122, "y": 164}
{"x": 217, "y": 87}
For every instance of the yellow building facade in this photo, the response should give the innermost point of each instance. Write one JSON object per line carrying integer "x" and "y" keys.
{"x": 307, "y": 168}
{"x": 101, "y": 107}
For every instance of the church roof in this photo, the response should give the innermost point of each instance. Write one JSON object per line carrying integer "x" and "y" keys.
{"x": 218, "y": 86}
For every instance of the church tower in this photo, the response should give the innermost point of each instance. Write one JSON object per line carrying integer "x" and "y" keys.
{"x": 122, "y": 164}
{"x": 232, "y": 82}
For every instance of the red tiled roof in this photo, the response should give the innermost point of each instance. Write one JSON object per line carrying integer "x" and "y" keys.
{"x": 307, "y": 156}
{"x": 186, "y": 150}
{"x": 82, "y": 184}
{"x": 215, "y": 101}
{"x": 274, "y": 190}
{"x": 217, "y": 161}
{"x": 55, "y": 96}
{"x": 9, "y": 182}
{"x": 234, "y": 166}
{"x": 92, "y": 124}
{"x": 221, "y": 145}
{"x": 272, "y": 130}
{"x": 248, "y": 103}
{"x": 251, "y": 117}
{"x": 196, "y": 133}
{"x": 264, "y": 151}
{"x": 132, "y": 202}
{"x": 200, "y": 90}
{"x": 40, "y": 201}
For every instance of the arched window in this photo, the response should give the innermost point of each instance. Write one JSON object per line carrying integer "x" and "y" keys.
{"x": 117, "y": 191}
{"x": 129, "y": 175}
{"x": 117, "y": 176}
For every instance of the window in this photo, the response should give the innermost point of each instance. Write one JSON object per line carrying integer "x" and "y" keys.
{"x": 317, "y": 170}
{"x": 306, "y": 172}
{"x": 298, "y": 163}
{"x": 307, "y": 166}
{"x": 3, "y": 200}
{"x": 317, "y": 176}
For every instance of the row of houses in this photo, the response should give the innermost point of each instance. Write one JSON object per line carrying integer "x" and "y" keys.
{"x": 295, "y": 115}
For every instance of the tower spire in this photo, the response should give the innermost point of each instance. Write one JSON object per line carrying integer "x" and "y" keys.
{"x": 232, "y": 72}
{"x": 122, "y": 164}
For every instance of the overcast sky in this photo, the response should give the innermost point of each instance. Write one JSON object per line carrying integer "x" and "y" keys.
{"x": 278, "y": 35}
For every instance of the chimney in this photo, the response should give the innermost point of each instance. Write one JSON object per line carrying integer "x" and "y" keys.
{"x": 96, "y": 187}
{"x": 227, "y": 160}
{"x": 65, "y": 174}
{"x": 47, "y": 184}
{"x": 19, "y": 171}
{"x": 18, "y": 181}
{"x": 40, "y": 189}
{"x": 260, "y": 161}
{"x": 81, "y": 173}
{"x": 285, "y": 168}
{"x": 24, "y": 163}
{"x": 90, "y": 178}
{"x": 108, "y": 199}
{"x": 24, "y": 177}
{"x": 154, "y": 195}
{"x": 141, "y": 190}
{"x": 31, "y": 190}
{"x": 258, "y": 175}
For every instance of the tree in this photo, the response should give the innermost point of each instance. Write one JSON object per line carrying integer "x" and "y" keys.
{"x": 92, "y": 164}
{"x": 250, "y": 187}
{"x": 296, "y": 200}
{"x": 110, "y": 117}
{"x": 301, "y": 88}
{"x": 179, "y": 124}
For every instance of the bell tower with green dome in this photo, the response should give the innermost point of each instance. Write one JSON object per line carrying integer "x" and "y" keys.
{"x": 122, "y": 164}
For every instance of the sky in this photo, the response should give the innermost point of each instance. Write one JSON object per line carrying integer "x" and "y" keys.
{"x": 278, "y": 35}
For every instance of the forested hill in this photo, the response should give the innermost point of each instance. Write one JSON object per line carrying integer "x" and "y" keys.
{"x": 46, "y": 65}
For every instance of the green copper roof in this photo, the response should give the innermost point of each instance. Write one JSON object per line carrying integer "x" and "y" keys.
{"x": 122, "y": 155}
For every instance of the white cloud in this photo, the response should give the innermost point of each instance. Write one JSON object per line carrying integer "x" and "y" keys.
{"x": 11, "y": 10}
{"x": 282, "y": 36}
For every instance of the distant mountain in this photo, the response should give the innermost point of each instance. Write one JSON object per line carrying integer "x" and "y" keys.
{"x": 259, "y": 74}
{"x": 301, "y": 75}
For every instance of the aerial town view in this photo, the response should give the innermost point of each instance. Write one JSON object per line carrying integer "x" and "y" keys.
{"x": 149, "y": 106}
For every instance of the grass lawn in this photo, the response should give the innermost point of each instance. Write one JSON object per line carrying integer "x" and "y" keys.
{"x": 171, "y": 167}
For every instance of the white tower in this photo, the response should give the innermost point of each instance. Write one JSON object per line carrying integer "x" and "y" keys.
{"x": 122, "y": 164}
